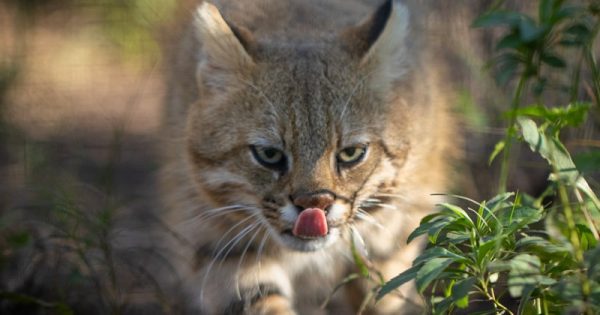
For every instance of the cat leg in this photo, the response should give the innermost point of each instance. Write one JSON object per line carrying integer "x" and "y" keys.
{"x": 265, "y": 303}
{"x": 253, "y": 290}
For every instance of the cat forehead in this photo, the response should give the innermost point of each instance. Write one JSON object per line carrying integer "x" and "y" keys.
{"x": 309, "y": 96}
{"x": 308, "y": 75}
{"x": 312, "y": 126}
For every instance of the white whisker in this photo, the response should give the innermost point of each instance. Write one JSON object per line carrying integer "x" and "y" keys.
{"x": 216, "y": 213}
{"x": 239, "y": 266}
{"x": 387, "y": 206}
{"x": 391, "y": 195}
{"x": 231, "y": 242}
{"x": 236, "y": 240}
{"x": 231, "y": 229}
{"x": 363, "y": 215}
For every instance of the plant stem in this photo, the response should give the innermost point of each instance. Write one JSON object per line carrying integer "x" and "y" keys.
{"x": 574, "y": 238}
{"x": 544, "y": 305}
{"x": 510, "y": 133}
{"x": 489, "y": 293}
{"x": 586, "y": 213}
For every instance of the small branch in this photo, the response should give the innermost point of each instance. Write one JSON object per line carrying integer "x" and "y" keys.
{"x": 510, "y": 133}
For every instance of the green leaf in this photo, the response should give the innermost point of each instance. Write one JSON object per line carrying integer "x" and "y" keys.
{"x": 397, "y": 281}
{"x": 546, "y": 10}
{"x": 529, "y": 31}
{"x": 457, "y": 237}
{"x": 498, "y": 200}
{"x": 549, "y": 148}
{"x": 588, "y": 241}
{"x": 497, "y": 149}
{"x": 430, "y": 271}
{"x": 589, "y": 193}
{"x": 567, "y": 11}
{"x": 437, "y": 227}
{"x": 525, "y": 296}
{"x": 498, "y": 266}
{"x": 517, "y": 217}
{"x": 541, "y": 245}
{"x": 432, "y": 228}
{"x": 553, "y": 60}
{"x": 441, "y": 307}
{"x": 525, "y": 273}
{"x": 568, "y": 288}
{"x": 358, "y": 259}
{"x": 486, "y": 247}
{"x": 460, "y": 213}
{"x": 460, "y": 291}
{"x": 569, "y": 42}
{"x": 507, "y": 65}
{"x": 436, "y": 252}
{"x": 426, "y": 223}
{"x": 572, "y": 115}
{"x": 579, "y": 29}
{"x": 510, "y": 41}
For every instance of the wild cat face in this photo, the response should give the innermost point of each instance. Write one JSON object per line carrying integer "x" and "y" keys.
{"x": 297, "y": 134}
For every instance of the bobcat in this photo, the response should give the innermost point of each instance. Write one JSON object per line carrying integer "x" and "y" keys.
{"x": 299, "y": 128}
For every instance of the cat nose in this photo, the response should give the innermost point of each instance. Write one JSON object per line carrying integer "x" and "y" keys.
{"x": 321, "y": 200}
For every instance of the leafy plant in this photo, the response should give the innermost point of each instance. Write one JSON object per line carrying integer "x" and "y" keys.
{"x": 495, "y": 249}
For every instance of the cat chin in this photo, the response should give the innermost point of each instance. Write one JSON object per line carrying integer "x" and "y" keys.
{"x": 308, "y": 245}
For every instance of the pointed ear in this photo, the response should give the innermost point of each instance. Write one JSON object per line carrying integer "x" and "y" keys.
{"x": 380, "y": 43}
{"x": 224, "y": 56}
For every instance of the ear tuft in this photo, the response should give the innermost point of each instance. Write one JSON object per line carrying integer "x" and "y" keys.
{"x": 223, "y": 47}
{"x": 371, "y": 29}
{"x": 381, "y": 43}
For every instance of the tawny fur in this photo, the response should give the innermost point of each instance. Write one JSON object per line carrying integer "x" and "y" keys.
{"x": 309, "y": 78}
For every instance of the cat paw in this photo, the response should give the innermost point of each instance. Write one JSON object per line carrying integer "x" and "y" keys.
{"x": 272, "y": 305}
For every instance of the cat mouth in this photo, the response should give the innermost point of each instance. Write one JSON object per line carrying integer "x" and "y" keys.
{"x": 304, "y": 237}
{"x": 306, "y": 243}
{"x": 311, "y": 229}
{"x": 290, "y": 232}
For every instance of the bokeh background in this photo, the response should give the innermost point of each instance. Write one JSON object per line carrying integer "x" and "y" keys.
{"x": 81, "y": 88}
{"x": 82, "y": 84}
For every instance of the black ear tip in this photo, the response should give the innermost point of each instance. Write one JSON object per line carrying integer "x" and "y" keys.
{"x": 379, "y": 19}
{"x": 387, "y": 6}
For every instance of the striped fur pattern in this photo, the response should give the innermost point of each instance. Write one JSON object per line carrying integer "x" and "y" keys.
{"x": 306, "y": 84}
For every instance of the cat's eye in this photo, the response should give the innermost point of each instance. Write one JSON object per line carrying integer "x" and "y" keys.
{"x": 350, "y": 156}
{"x": 269, "y": 157}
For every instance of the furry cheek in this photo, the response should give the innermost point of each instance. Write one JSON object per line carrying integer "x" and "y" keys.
{"x": 225, "y": 186}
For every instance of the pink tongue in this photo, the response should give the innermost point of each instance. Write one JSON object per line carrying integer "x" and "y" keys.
{"x": 310, "y": 223}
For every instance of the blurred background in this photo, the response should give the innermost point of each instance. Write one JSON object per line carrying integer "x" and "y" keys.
{"x": 81, "y": 91}
{"x": 81, "y": 87}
